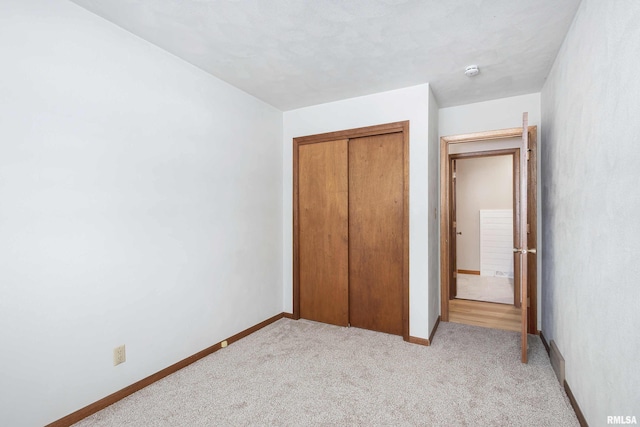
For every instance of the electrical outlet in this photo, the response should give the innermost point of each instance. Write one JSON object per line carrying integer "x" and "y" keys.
{"x": 223, "y": 344}
{"x": 119, "y": 355}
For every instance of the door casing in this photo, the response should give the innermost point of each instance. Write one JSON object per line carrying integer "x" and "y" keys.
{"x": 515, "y": 155}
{"x": 445, "y": 215}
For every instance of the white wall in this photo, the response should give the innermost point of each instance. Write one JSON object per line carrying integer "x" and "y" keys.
{"x": 433, "y": 210}
{"x": 500, "y": 113}
{"x": 405, "y": 104}
{"x": 591, "y": 200}
{"x": 140, "y": 204}
{"x": 493, "y": 115}
{"x": 481, "y": 183}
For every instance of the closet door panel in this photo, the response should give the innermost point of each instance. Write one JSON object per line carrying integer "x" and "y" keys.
{"x": 376, "y": 232}
{"x": 323, "y": 232}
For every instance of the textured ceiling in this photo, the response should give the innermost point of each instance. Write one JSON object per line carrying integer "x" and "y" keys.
{"x": 295, "y": 53}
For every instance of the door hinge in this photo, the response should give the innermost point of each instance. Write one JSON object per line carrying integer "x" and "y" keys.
{"x": 528, "y": 228}
{"x": 528, "y": 154}
{"x": 455, "y": 274}
{"x": 454, "y": 224}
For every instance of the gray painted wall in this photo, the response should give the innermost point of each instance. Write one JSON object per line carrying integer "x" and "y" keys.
{"x": 590, "y": 204}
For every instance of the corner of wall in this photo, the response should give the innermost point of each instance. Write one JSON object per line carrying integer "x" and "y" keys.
{"x": 433, "y": 212}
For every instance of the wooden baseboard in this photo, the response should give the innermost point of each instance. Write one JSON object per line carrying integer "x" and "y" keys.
{"x": 433, "y": 331}
{"x": 420, "y": 341}
{"x": 94, "y": 407}
{"x": 476, "y": 272}
{"x": 557, "y": 361}
{"x": 581, "y": 419}
{"x": 544, "y": 341}
{"x": 553, "y": 352}
{"x": 423, "y": 341}
{"x": 288, "y": 315}
{"x": 555, "y": 357}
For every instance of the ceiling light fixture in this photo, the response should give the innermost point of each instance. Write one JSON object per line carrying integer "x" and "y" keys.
{"x": 471, "y": 70}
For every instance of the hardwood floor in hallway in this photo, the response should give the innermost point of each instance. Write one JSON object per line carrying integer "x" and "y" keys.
{"x": 487, "y": 314}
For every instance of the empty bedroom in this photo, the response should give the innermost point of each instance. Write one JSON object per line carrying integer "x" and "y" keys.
{"x": 313, "y": 213}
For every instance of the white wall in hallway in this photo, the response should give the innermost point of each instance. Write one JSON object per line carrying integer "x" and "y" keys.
{"x": 481, "y": 183}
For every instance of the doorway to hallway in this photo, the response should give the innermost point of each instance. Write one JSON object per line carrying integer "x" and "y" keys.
{"x": 484, "y": 192}
{"x": 522, "y": 314}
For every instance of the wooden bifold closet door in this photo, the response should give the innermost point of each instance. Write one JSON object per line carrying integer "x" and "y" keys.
{"x": 375, "y": 233}
{"x": 351, "y": 232}
{"x": 324, "y": 246}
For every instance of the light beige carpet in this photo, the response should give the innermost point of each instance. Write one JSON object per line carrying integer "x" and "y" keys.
{"x": 302, "y": 373}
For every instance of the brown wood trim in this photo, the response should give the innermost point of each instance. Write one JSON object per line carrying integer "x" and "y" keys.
{"x": 423, "y": 341}
{"x": 487, "y": 153}
{"x": 420, "y": 341}
{"x": 515, "y": 154}
{"x": 352, "y": 133}
{"x": 483, "y": 136}
{"x": 296, "y": 237}
{"x": 405, "y": 233}
{"x": 544, "y": 342}
{"x": 433, "y": 331}
{"x": 94, "y": 407}
{"x": 532, "y": 216}
{"x": 444, "y": 230}
{"x": 254, "y": 328}
{"x": 581, "y": 419}
{"x": 574, "y": 403}
{"x": 453, "y": 228}
{"x": 288, "y": 315}
{"x": 474, "y": 272}
{"x": 446, "y": 262}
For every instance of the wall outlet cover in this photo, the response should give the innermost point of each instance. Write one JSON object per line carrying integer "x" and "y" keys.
{"x": 119, "y": 355}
